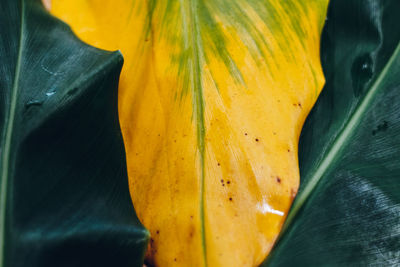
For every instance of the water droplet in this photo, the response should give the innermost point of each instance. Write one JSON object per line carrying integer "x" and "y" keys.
{"x": 364, "y": 66}
{"x": 264, "y": 208}
{"x": 362, "y": 72}
{"x": 33, "y": 103}
{"x": 50, "y": 93}
{"x": 381, "y": 128}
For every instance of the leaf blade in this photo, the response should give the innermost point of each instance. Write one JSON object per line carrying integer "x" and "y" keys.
{"x": 253, "y": 58}
{"x": 345, "y": 134}
{"x": 361, "y": 65}
{"x": 52, "y": 191}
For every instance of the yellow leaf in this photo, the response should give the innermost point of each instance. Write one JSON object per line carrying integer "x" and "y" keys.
{"x": 212, "y": 98}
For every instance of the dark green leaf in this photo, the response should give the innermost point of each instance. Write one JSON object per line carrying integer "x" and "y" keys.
{"x": 347, "y": 212}
{"x": 64, "y": 197}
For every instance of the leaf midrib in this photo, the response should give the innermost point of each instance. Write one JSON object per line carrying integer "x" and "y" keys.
{"x": 192, "y": 39}
{"x": 5, "y": 155}
{"x": 340, "y": 141}
{"x": 198, "y": 104}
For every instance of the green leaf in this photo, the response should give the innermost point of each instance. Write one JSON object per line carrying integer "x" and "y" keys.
{"x": 347, "y": 212}
{"x": 64, "y": 198}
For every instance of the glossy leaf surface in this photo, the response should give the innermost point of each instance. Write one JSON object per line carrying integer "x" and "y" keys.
{"x": 347, "y": 212}
{"x": 64, "y": 198}
{"x": 212, "y": 100}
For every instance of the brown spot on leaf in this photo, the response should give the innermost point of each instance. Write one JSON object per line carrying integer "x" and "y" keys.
{"x": 230, "y": 199}
{"x": 278, "y": 179}
{"x": 191, "y": 232}
{"x": 257, "y": 139}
